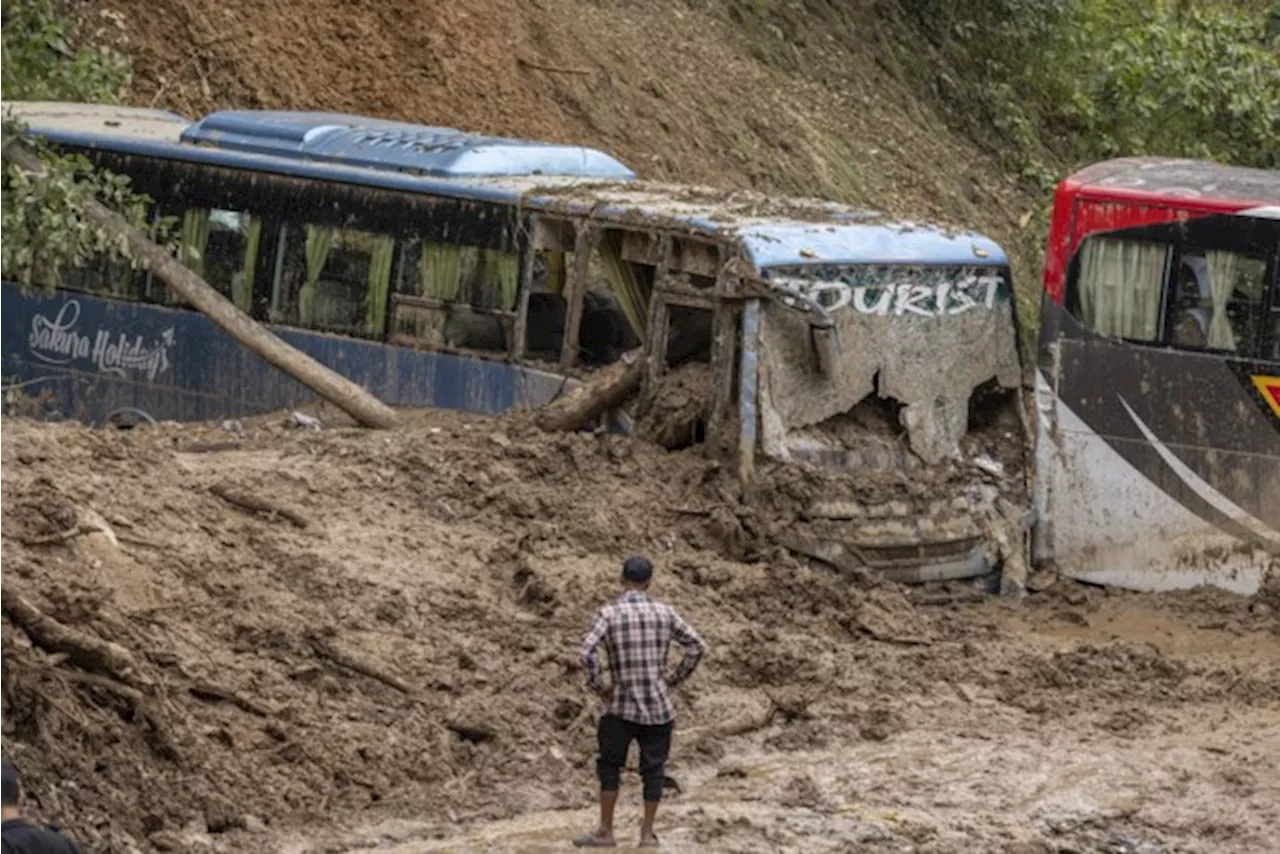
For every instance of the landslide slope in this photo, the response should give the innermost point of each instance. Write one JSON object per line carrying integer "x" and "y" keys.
{"x": 704, "y": 92}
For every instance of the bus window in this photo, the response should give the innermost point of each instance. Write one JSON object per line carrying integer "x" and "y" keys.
{"x": 113, "y": 278}
{"x": 1120, "y": 284}
{"x": 99, "y": 274}
{"x": 544, "y": 333}
{"x": 221, "y": 246}
{"x": 1217, "y": 301}
{"x": 452, "y": 296}
{"x": 335, "y": 279}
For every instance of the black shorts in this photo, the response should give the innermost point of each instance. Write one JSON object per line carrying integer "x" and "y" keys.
{"x": 615, "y": 736}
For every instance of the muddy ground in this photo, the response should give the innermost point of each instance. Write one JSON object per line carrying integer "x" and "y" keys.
{"x": 388, "y": 661}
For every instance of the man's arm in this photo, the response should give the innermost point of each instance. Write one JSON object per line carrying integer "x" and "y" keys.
{"x": 589, "y": 656}
{"x": 694, "y": 648}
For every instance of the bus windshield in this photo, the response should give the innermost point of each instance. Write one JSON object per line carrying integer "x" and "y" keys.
{"x": 920, "y": 337}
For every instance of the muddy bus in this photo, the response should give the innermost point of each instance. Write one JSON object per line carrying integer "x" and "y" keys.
{"x": 1158, "y": 384}
{"x": 442, "y": 269}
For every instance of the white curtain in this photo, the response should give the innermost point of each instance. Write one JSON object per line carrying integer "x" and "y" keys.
{"x": 1121, "y": 282}
{"x": 1223, "y": 269}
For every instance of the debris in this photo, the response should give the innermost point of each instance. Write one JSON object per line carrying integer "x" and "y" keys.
{"x": 988, "y": 465}
{"x": 303, "y": 421}
{"x": 605, "y": 389}
{"x": 248, "y": 501}
{"x": 84, "y": 651}
{"x": 325, "y": 648}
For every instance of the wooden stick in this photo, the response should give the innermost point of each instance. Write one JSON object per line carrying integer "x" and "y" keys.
{"x": 204, "y": 690}
{"x": 739, "y": 726}
{"x": 60, "y": 537}
{"x": 326, "y": 649}
{"x": 249, "y": 501}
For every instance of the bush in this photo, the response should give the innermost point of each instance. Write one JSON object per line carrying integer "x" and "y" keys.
{"x": 42, "y": 215}
{"x": 1199, "y": 84}
{"x": 1082, "y": 80}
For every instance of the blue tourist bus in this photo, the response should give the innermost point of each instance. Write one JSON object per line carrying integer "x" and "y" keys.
{"x": 438, "y": 268}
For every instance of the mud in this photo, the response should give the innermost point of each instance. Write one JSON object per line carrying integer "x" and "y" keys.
{"x": 402, "y": 670}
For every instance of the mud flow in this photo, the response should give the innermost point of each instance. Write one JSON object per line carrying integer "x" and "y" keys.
{"x": 258, "y": 637}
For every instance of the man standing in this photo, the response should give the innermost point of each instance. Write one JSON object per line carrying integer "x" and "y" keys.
{"x": 19, "y": 836}
{"x": 637, "y": 633}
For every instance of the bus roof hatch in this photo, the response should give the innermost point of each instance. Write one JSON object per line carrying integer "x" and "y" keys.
{"x": 398, "y": 146}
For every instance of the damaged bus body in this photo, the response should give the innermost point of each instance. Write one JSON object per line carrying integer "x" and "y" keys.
{"x": 1158, "y": 389}
{"x": 442, "y": 269}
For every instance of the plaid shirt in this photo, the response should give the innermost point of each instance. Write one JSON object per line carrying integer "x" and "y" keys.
{"x": 637, "y": 633}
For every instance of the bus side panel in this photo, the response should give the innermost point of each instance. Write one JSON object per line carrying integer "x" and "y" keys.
{"x": 83, "y": 357}
{"x": 1159, "y": 471}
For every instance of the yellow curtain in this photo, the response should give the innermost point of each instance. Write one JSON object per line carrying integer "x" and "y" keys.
{"x": 195, "y": 239}
{"x": 242, "y": 291}
{"x": 319, "y": 239}
{"x": 555, "y": 271}
{"x": 624, "y": 284}
{"x": 194, "y": 242}
{"x": 441, "y": 271}
{"x": 375, "y": 316}
{"x": 504, "y": 267}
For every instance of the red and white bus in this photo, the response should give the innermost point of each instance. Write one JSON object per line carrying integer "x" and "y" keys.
{"x": 1158, "y": 381}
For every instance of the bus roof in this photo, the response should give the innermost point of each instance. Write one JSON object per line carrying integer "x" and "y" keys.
{"x": 392, "y": 155}
{"x": 1162, "y": 178}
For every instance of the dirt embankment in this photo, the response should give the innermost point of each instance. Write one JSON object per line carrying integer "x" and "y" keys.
{"x": 707, "y": 93}
{"x": 390, "y": 654}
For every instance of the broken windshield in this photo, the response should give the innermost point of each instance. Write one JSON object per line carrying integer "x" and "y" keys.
{"x": 921, "y": 338}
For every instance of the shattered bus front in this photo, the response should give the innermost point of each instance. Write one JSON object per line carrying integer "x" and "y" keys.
{"x": 902, "y": 409}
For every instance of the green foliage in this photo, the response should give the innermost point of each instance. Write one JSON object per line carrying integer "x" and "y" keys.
{"x": 1199, "y": 84}
{"x": 42, "y": 215}
{"x": 1072, "y": 81}
{"x": 39, "y": 64}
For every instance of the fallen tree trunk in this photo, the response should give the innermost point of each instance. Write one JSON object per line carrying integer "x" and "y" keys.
{"x": 332, "y": 386}
{"x": 84, "y": 651}
{"x": 604, "y": 390}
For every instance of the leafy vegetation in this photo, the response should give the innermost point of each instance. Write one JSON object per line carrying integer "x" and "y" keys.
{"x": 44, "y": 228}
{"x": 1062, "y": 82}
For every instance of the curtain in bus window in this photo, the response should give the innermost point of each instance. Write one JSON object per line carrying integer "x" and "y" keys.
{"x": 380, "y": 256}
{"x": 1223, "y": 268}
{"x": 504, "y": 268}
{"x": 555, "y": 271}
{"x": 195, "y": 239}
{"x": 441, "y": 271}
{"x": 624, "y": 284}
{"x": 319, "y": 239}
{"x": 1121, "y": 282}
{"x": 242, "y": 287}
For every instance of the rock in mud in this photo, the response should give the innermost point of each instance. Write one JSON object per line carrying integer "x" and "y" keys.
{"x": 881, "y": 723}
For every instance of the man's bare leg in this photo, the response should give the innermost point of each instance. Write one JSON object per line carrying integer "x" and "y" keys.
{"x": 650, "y": 813}
{"x": 608, "y": 800}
